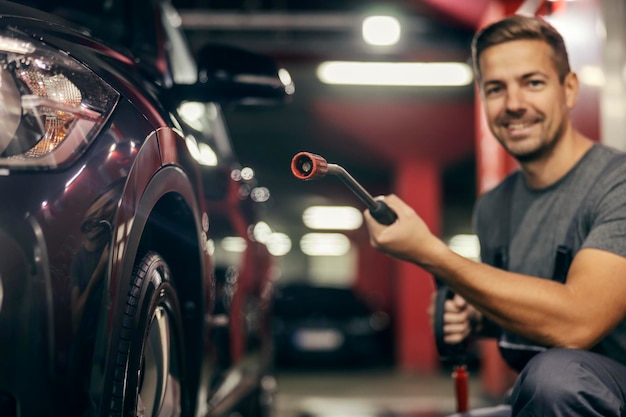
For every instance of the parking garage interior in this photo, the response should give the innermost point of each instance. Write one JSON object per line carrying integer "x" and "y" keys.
{"x": 351, "y": 331}
{"x": 426, "y": 143}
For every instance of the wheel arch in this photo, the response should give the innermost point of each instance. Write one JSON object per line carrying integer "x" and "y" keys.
{"x": 166, "y": 219}
{"x": 171, "y": 231}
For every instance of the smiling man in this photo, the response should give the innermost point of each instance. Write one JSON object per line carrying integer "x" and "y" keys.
{"x": 552, "y": 282}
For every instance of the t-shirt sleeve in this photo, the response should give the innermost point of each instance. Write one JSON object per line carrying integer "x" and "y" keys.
{"x": 607, "y": 219}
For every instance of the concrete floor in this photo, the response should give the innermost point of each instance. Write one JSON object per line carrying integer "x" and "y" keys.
{"x": 369, "y": 393}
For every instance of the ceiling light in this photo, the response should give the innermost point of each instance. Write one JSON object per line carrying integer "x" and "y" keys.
{"x": 395, "y": 73}
{"x": 234, "y": 244}
{"x": 247, "y": 174}
{"x": 278, "y": 244}
{"x": 192, "y": 112}
{"x": 207, "y": 155}
{"x": 465, "y": 245}
{"x": 325, "y": 244}
{"x": 592, "y": 75}
{"x": 332, "y": 218}
{"x": 381, "y": 30}
{"x": 261, "y": 232}
{"x": 285, "y": 78}
{"x": 201, "y": 152}
{"x": 260, "y": 194}
{"x": 210, "y": 246}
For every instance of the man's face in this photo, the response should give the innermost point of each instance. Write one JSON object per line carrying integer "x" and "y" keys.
{"x": 527, "y": 108}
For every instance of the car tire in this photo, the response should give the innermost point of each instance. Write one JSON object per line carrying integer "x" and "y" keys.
{"x": 147, "y": 378}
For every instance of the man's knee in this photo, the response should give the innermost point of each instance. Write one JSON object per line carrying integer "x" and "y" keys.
{"x": 568, "y": 382}
{"x": 550, "y": 376}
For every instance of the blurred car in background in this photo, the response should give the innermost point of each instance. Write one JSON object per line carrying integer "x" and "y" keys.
{"x": 323, "y": 327}
{"x": 118, "y": 178}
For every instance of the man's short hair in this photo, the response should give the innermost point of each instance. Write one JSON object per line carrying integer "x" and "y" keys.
{"x": 521, "y": 27}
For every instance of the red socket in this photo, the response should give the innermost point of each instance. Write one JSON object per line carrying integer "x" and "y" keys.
{"x": 308, "y": 166}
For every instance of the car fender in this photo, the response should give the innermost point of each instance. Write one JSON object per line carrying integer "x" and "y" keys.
{"x": 149, "y": 183}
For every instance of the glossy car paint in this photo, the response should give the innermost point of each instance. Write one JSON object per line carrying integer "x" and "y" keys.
{"x": 78, "y": 230}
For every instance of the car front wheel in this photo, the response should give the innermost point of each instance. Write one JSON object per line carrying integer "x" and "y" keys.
{"x": 147, "y": 381}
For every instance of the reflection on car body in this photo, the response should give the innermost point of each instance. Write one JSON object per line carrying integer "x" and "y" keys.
{"x": 113, "y": 200}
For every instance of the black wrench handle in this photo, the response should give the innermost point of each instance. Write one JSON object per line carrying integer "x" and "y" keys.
{"x": 382, "y": 213}
{"x": 453, "y": 352}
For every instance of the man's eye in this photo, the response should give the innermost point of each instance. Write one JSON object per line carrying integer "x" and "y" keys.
{"x": 535, "y": 83}
{"x": 489, "y": 91}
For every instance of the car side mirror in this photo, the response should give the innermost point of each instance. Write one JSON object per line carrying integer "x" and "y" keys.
{"x": 234, "y": 76}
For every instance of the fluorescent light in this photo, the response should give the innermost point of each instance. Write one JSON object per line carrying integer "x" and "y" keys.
{"x": 325, "y": 244}
{"x": 208, "y": 156}
{"x": 201, "y": 152}
{"x": 278, "y": 244}
{"x": 192, "y": 113}
{"x": 192, "y": 146}
{"x": 592, "y": 75}
{"x": 465, "y": 245}
{"x": 261, "y": 232}
{"x": 381, "y": 30}
{"x": 234, "y": 244}
{"x": 285, "y": 78}
{"x": 332, "y": 218}
{"x": 395, "y": 73}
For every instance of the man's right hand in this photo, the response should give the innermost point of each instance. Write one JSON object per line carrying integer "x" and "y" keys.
{"x": 408, "y": 238}
{"x": 459, "y": 318}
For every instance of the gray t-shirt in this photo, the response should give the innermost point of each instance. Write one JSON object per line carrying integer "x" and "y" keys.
{"x": 584, "y": 209}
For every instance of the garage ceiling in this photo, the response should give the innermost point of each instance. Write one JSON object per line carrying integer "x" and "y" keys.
{"x": 365, "y": 129}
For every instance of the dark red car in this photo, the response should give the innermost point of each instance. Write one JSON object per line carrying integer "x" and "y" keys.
{"x": 116, "y": 171}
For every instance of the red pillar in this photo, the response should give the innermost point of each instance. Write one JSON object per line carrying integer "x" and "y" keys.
{"x": 374, "y": 281}
{"x": 417, "y": 182}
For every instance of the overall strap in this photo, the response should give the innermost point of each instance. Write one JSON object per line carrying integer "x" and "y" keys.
{"x": 501, "y": 254}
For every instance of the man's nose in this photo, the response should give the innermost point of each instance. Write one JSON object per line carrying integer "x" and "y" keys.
{"x": 515, "y": 100}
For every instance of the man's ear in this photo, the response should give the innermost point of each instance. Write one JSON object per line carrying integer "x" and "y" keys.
{"x": 571, "y": 86}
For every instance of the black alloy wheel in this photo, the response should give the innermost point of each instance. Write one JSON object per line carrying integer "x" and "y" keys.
{"x": 147, "y": 381}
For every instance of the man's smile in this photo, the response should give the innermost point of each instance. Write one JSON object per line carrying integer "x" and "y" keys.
{"x": 516, "y": 126}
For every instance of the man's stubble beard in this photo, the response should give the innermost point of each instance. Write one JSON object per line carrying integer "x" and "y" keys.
{"x": 542, "y": 151}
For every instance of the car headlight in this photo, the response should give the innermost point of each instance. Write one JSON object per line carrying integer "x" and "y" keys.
{"x": 52, "y": 106}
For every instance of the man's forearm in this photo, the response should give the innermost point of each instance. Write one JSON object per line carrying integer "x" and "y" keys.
{"x": 534, "y": 308}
